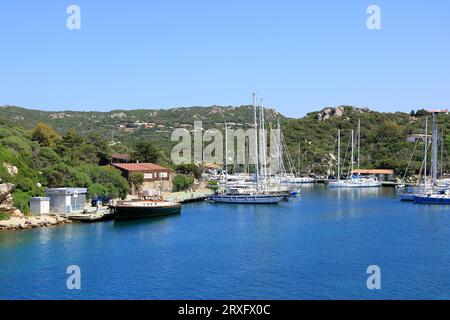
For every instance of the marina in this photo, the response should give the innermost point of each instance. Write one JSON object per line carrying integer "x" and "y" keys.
{"x": 296, "y": 250}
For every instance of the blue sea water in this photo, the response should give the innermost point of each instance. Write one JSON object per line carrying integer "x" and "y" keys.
{"x": 317, "y": 246}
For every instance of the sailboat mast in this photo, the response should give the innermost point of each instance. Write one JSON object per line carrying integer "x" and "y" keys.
{"x": 226, "y": 156}
{"x": 299, "y": 157}
{"x": 280, "y": 147}
{"x": 359, "y": 143}
{"x": 352, "y": 158}
{"x": 426, "y": 151}
{"x": 339, "y": 155}
{"x": 264, "y": 144}
{"x": 256, "y": 142}
{"x": 442, "y": 155}
{"x": 434, "y": 151}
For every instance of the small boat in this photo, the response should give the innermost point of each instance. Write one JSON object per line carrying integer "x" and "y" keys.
{"x": 358, "y": 182}
{"x": 144, "y": 207}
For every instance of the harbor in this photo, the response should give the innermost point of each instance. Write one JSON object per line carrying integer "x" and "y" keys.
{"x": 316, "y": 246}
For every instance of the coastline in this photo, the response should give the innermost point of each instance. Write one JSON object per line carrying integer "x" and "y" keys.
{"x": 32, "y": 222}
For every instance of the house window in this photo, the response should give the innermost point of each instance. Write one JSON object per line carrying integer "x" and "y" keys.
{"x": 148, "y": 176}
{"x": 163, "y": 174}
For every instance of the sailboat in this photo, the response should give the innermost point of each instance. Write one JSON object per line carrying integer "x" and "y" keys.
{"x": 420, "y": 188}
{"x": 259, "y": 193}
{"x": 433, "y": 194}
{"x": 354, "y": 181}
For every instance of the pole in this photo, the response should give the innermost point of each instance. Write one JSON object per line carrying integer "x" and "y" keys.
{"x": 434, "y": 151}
{"x": 264, "y": 144}
{"x": 359, "y": 144}
{"x": 352, "y": 158}
{"x": 226, "y": 156}
{"x": 426, "y": 151}
{"x": 256, "y": 142}
{"x": 339, "y": 155}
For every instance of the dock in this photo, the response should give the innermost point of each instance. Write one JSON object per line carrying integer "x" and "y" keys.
{"x": 188, "y": 197}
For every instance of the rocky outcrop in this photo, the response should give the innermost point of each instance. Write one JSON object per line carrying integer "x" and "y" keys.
{"x": 328, "y": 113}
{"x": 6, "y": 199}
{"x": 22, "y": 223}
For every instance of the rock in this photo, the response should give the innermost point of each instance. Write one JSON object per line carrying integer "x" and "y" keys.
{"x": 328, "y": 113}
{"x": 17, "y": 213}
{"x": 12, "y": 170}
{"x": 6, "y": 199}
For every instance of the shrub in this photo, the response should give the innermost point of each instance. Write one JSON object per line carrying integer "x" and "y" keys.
{"x": 97, "y": 189}
{"x": 137, "y": 179}
{"x": 182, "y": 182}
{"x": 213, "y": 185}
{"x": 4, "y": 215}
{"x": 21, "y": 201}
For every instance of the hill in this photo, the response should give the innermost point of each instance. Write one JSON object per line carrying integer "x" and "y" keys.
{"x": 311, "y": 140}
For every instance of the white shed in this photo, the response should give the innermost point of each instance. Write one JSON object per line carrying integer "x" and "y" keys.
{"x": 40, "y": 205}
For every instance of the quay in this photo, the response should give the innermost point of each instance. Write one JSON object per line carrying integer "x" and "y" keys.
{"x": 188, "y": 197}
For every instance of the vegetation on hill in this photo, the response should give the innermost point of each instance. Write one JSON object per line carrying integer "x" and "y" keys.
{"x": 383, "y": 139}
{"x": 40, "y": 158}
{"x": 46, "y": 148}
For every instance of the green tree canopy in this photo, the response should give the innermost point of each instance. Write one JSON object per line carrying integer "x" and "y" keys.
{"x": 145, "y": 151}
{"x": 45, "y": 135}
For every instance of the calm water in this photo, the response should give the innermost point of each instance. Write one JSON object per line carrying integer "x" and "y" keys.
{"x": 315, "y": 247}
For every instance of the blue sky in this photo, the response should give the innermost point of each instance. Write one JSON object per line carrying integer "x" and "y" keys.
{"x": 299, "y": 56}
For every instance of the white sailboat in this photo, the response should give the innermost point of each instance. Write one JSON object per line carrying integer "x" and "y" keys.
{"x": 354, "y": 181}
{"x": 433, "y": 194}
{"x": 259, "y": 193}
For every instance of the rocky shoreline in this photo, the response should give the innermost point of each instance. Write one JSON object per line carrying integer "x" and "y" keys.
{"x": 24, "y": 223}
{"x": 16, "y": 219}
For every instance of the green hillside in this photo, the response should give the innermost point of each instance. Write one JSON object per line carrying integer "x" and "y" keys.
{"x": 383, "y": 135}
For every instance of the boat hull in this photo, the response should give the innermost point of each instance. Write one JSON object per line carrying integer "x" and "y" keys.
{"x": 247, "y": 199}
{"x": 443, "y": 200}
{"x": 130, "y": 212}
{"x": 344, "y": 184}
{"x": 407, "y": 197}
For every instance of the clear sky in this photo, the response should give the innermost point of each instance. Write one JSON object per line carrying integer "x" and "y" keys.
{"x": 298, "y": 55}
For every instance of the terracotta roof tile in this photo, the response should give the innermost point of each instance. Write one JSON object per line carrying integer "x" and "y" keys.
{"x": 139, "y": 166}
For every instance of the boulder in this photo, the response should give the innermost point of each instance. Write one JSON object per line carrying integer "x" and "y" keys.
{"x": 16, "y": 213}
{"x": 12, "y": 170}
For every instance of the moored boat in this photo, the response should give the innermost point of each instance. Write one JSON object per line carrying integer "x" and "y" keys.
{"x": 145, "y": 207}
{"x": 432, "y": 198}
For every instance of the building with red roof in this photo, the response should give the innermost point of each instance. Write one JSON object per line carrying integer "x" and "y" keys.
{"x": 152, "y": 172}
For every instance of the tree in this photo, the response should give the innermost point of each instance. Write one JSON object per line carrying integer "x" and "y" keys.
{"x": 137, "y": 180}
{"x": 70, "y": 146}
{"x": 45, "y": 135}
{"x": 100, "y": 147}
{"x": 190, "y": 169}
{"x": 182, "y": 182}
{"x": 422, "y": 112}
{"x": 145, "y": 151}
{"x": 72, "y": 139}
